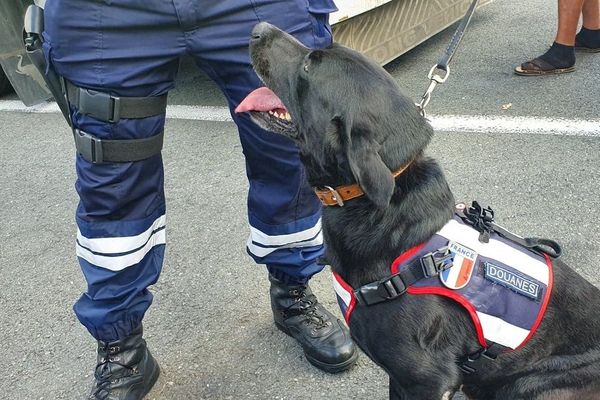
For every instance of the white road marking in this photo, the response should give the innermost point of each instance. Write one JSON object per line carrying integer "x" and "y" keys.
{"x": 441, "y": 123}
{"x": 526, "y": 125}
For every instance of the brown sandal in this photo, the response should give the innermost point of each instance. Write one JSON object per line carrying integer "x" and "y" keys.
{"x": 537, "y": 67}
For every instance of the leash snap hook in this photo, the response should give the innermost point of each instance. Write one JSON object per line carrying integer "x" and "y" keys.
{"x": 426, "y": 97}
{"x": 435, "y": 77}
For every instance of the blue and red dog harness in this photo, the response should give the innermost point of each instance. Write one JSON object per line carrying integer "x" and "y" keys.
{"x": 502, "y": 280}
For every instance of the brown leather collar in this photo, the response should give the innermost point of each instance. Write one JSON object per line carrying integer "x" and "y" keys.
{"x": 330, "y": 196}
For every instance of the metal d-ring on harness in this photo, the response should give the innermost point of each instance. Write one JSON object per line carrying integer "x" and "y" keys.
{"x": 99, "y": 105}
{"x": 444, "y": 61}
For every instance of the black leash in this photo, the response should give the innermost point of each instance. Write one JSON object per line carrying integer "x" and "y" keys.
{"x": 446, "y": 57}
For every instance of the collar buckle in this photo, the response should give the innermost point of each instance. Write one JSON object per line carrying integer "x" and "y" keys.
{"x": 335, "y": 196}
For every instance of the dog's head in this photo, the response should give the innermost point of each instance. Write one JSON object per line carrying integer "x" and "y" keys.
{"x": 345, "y": 113}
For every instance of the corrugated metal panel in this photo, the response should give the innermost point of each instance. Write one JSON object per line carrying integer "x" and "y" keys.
{"x": 352, "y": 8}
{"x": 381, "y": 29}
{"x": 392, "y": 29}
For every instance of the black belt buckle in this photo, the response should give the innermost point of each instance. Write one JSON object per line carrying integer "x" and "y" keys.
{"x": 90, "y": 147}
{"x": 99, "y": 105}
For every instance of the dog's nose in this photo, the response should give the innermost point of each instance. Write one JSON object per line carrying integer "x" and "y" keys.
{"x": 260, "y": 30}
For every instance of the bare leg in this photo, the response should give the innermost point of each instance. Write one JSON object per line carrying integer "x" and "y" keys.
{"x": 588, "y": 38}
{"x": 568, "y": 19}
{"x": 561, "y": 56}
{"x": 591, "y": 14}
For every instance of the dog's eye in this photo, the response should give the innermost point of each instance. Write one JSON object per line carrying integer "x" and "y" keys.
{"x": 305, "y": 68}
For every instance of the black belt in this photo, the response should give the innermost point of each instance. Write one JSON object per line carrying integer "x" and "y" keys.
{"x": 98, "y": 151}
{"x": 109, "y": 108}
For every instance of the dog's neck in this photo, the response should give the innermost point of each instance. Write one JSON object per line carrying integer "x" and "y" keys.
{"x": 362, "y": 241}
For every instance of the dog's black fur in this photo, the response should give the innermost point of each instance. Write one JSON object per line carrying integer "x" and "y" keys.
{"x": 352, "y": 124}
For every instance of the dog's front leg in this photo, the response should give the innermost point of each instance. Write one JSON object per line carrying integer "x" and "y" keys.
{"x": 398, "y": 392}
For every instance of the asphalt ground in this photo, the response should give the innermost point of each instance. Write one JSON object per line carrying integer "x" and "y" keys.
{"x": 210, "y": 326}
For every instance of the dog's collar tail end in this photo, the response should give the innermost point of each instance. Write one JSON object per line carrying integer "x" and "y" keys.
{"x": 337, "y": 196}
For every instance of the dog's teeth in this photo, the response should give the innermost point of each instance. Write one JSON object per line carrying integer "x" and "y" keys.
{"x": 277, "y": 115}
{"x": 271, "y": 112}
{"x": 288, "y": 117}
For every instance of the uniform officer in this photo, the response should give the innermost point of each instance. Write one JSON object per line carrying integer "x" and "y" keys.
{"x": 119, "y": 58}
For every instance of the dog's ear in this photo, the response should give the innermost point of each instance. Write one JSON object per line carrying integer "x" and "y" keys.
{"x": 369, "y": 170}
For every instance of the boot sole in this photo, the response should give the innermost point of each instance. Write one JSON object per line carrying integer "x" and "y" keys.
{"x": 330, "y": 368}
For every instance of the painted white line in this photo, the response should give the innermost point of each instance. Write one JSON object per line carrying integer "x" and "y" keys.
{"x": 525, "y": 125}
{"x": 441, "y": 123}
{"x": 201, "y": 113}
{"x": 17, "y": 106}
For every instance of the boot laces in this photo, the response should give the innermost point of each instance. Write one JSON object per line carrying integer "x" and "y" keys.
{"x": 104, "y": 375}
{"x": 307, "y": 306}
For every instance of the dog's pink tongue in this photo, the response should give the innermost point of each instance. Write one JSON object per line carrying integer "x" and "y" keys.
{"x": 261, "y": 99}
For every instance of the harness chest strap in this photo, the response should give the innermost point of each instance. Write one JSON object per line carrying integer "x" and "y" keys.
{"x": 331, "y": 196}
{"x": 429, "y": 265}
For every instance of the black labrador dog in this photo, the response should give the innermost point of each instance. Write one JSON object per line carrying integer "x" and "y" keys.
{"x": 353, "y": 125}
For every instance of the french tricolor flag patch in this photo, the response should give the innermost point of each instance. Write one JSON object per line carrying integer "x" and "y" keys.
{"x": 345, "y": 296}
{"x": 461, "y": 271}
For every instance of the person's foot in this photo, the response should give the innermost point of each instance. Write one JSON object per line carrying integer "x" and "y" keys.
{"x": 324, "y": 338}
{"x": 125, "y": 371}
{"x": 559, "y": 59}
{"x": 588, "y": 40}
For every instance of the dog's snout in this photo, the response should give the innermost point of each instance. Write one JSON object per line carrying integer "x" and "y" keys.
{"x": 260, "y": 30}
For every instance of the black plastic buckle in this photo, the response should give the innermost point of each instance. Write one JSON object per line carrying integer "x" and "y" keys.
{"x": 481, "y": 218}
{"x": 467, "y": 370}
{"x": 469, "y": 366}
{"x": 437, "y": 261}
{"x": 380, "y": 291}
{"x": 391, "y": 287}
{"x": 484, "y": 213}
{"x": 99, "y": 105}
{"x": 90, "y": 147}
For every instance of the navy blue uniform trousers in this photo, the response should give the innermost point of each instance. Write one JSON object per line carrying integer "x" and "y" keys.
{"x": 132, "y": 48}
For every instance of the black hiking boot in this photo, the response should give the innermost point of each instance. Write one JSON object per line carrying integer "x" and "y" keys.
{"x": 125, "y": 371}
{"x": 325, "y": 339}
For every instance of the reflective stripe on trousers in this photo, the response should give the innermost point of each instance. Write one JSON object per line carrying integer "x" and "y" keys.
{"x": 132, "y": 48}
